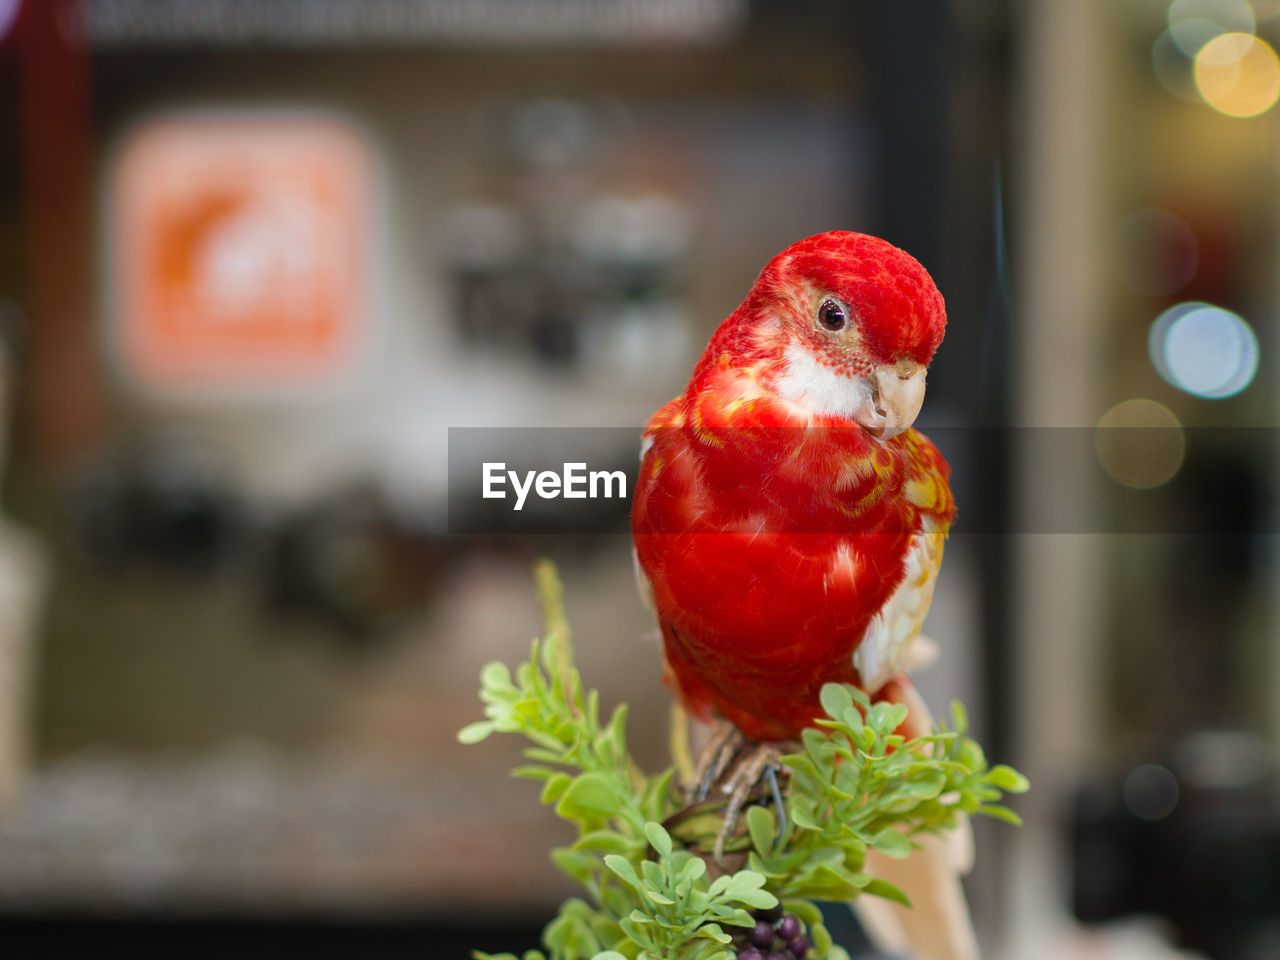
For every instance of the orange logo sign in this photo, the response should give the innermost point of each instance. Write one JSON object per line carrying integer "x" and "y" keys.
{"x": 239, "y": 249}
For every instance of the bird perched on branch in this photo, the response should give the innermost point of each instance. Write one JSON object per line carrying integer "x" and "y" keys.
{"x": 789, "y": 526}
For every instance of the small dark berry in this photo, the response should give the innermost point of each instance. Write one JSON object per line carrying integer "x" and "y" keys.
{"x": 773, "y": 914}
{"x": 750, "y": 953}
{"x": 762, "y": 935}
{"x": 789, "y": 927}
{"x": 798, "y": 945}
{"x": 776, "y": 956}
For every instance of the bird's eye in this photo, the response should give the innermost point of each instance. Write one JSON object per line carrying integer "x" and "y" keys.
{"x": 832, "y": 316}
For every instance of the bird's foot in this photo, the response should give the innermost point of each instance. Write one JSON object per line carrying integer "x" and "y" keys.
{"x": 757, "y": 767}
{"x": 715, "y": 758}
{"x": 732, "y": 773}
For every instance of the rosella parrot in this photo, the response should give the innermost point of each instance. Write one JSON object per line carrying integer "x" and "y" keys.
{"x": 789, "y": 524}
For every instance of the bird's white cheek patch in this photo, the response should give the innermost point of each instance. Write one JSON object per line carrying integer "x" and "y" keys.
{"x": 820, "y": 389}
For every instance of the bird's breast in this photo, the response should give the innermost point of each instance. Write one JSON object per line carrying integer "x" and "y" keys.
{"x": 770, "y": 549}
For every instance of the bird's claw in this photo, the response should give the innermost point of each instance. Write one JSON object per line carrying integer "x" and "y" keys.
{"x": 771, "y": 774}
{"x": 760, "y": 763}
{"x": 715, "y": 759}
{"x": 732, "y": 765}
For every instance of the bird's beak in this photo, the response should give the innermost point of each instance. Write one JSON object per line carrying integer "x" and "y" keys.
{"x": 892, "y": 401}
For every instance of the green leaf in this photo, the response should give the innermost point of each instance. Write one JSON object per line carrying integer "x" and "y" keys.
{"x": 556, "y": 786}
{"x": 802, "y": 813}
{"x": 580, "y": 866}
{"x": 617, "y": 730}
{"x": 759, "y": 899}
{"x": 848, "y": 779}
{"x": 659, "y": 839}
{"x": 820, "y": 937}
{"x": 608, "y": 955}
{"x": 814, "y": 742}
{"x": 574, "y": 907}
{"x": 1007, "y": 779}
{"x": 531, "y": 771}
{"x": 926, "y": 787}
{"x": 616, "y": 898}
{"x": 884, "y": 718}
{"x": 877, "y": 720}
{"x": 556, "y": 934}
{"x": 528, "y": 709}
{"x": 605, "y": 927}
{"x": 836, "y": 699}
{"x": 544, "y": 755}
{"x": 494, "y": 675}
{"x": 744, "y": 880}
{"x": 640, "y": 930}
{"x": 745, "y": 885}
{"x": 653, "y": 874}
{"x": 885, "y": 889}
{"x": 1000, "y": 813}
{"x": 693, "y": 869}
{"x": 653, "y": 804}
{"x": 852, "y": 718}
{"x": 892, "y": 843}
{"x": 738, "y": 918}
{"x": 805, "y": 911}
{"x": 581, "y": 942}
{"x": 475, "y": 732}
{"x": 971, "y": 755}
{"x": 826, "y": 882}
{"x": 760, "y": 825}
{"x": 604, "y": 841}
{"x": 623, "y": 868}
{"x": 712, "y": 931}
{"x": 590, "y": 797}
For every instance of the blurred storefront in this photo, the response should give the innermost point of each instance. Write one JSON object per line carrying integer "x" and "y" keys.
{"x": 260, "y": 257}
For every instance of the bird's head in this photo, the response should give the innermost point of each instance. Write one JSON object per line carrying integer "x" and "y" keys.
{"x": 855, "y": 322}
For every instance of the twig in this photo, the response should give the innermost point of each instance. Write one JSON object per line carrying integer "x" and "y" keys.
{"x": 551, "y": 597}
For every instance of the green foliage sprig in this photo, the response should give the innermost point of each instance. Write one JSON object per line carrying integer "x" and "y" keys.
{"x": 856, "y": 786}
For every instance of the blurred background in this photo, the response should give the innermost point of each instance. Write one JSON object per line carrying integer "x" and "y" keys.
{"x": 257, "y": 257}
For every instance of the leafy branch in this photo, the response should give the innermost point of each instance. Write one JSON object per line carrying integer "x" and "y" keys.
{"x": 858, "y": 786}
{"x": 651, "y": 894}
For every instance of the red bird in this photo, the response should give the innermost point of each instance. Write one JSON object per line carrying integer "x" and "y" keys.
{"x": 788, "y": 521}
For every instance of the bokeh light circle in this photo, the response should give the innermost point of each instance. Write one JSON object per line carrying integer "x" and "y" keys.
{"x": 1140, "y": 443}
{"x": 1193, "y": 23}
{"x": 1151, "y": 792}
{"x": 1190, "y": 36}
{"x": 1205, "y": 350}
{"x": 1238, "y": 74}
{"x": 1172, "y": 67}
